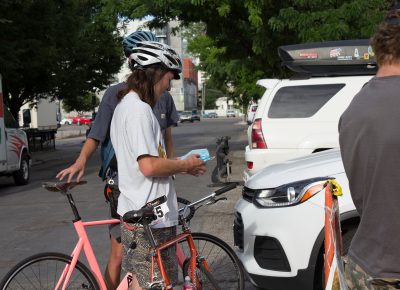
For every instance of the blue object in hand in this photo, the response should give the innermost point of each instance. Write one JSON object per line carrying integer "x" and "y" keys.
{"x": 204, "y": 154}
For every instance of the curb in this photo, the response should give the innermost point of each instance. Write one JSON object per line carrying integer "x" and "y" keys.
{"x": 70, "y": 133}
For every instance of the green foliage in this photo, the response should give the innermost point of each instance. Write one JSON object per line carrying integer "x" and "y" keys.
{"x": 329, "y": 20}
{"x": 83, "y": 103}
{"x": 70, "y": 49}
{"x": 239, "y": 42}
{"x": 211, "y": 97}
{"x": 62, "y": 49}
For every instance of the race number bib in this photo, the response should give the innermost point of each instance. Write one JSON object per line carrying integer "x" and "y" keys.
{"x": 160, "y": 211}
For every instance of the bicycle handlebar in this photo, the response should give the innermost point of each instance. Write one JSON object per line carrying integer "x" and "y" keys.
{"x": 226, "y": 188}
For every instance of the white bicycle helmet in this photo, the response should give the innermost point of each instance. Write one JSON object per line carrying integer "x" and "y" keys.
{"x": 134, "y": 38}
{"x": 150, "y": 52}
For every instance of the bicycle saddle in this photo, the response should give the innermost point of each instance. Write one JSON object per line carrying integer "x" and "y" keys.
{"x": 62, "y": 187}
{"x": 145, "y": 214}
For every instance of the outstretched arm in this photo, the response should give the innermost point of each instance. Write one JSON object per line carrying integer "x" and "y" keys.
{"x": 152, "y": 166}
{"x": 78, "y": 168}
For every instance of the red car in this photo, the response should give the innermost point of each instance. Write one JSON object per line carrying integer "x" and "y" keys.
{"x": 83, "y": 120}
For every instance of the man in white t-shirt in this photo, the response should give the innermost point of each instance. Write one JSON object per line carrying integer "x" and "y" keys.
{"x": 144, "y": 172}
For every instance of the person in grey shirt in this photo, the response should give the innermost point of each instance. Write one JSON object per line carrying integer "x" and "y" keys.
{"x": 166, "y": 114}
{"x": 369, "y": 138}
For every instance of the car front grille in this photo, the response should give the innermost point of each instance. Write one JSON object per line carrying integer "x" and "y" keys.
{"x": 238, "y": 231}
{"x": 269, "y": 254}
{"x": 248, "y": 193}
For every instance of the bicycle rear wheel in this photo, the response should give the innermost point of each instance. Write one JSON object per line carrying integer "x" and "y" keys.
{"x": 42, "y": 271}
{"x": 223, "y": 265}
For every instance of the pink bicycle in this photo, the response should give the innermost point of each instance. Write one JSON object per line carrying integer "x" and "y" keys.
{"x": 209, "y": 261}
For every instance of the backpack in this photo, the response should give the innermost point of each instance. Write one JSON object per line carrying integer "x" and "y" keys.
{"x": 108, "y": 159}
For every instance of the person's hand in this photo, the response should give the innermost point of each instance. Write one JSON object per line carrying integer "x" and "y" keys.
{"x": 77, "y": 168}
{"x": 196, "y": 165}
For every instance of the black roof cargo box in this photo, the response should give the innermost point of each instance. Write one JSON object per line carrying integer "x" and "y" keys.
{"x": 330, "y": 58}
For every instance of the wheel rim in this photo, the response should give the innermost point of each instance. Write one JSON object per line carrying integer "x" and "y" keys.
{"x": 25, "y": 169}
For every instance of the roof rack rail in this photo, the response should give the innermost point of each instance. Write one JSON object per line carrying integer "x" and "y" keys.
{"x": 330, "y": 58}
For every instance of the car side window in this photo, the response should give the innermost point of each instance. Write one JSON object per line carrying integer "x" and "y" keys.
{"x": 301, "y": 101}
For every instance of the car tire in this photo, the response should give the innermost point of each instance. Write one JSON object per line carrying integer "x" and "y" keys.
{"x": 21, "y": 177}
{"x": 67, "y": 123}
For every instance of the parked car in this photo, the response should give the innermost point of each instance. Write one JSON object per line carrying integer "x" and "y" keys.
{"x": 251, "y": 113}
{"x": 210, "y": 115}
{"x": 230, "y": 113}
{"x": 279, "y": 221}
{"x": 195, "y": 115}
{"x": 82, "y": 120}
{"x": 300, "y": 116}
{"x": 185, "y": 116}
{"x": 66, "y": 121}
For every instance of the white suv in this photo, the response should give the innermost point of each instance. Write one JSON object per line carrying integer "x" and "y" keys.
{"x": 300, "y": 116}
{"x": 279, "y": 221}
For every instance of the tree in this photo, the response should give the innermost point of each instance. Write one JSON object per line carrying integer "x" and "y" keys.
{"x": 81, "y": 103}
{"x": 61, "y": 49}
{"x": 239, "y": 40}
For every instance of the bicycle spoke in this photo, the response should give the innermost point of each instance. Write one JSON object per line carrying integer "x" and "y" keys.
{"x": 223, "y": 266}
{"x": 43, "y": 272}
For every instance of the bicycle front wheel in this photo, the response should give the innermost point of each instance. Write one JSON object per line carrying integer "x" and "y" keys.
{"x": 43, "y": 271}
{"x": 224, "y": 268}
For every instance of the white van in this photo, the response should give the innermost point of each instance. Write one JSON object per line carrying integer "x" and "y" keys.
{"x": 300, "y": 116}
{"x": 14, "y": 152}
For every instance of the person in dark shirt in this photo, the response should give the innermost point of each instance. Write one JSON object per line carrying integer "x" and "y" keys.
{"x": 369, "y": 137}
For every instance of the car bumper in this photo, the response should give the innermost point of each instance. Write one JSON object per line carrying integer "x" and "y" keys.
{"x": 261, "y": 158}
{"x": 278, "y": 253}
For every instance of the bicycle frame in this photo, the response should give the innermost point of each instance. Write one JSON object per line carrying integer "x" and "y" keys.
{"x": 186, "y": 235}
{"x": 84, "y": 243}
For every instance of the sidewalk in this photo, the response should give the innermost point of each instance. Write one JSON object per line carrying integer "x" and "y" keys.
{"x": 64, "y": 149}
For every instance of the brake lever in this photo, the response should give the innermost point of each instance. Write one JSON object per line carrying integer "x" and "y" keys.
{"x": 215, "y": 200}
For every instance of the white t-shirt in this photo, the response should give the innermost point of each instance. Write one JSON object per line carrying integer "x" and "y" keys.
{"x": 134, "y": 132}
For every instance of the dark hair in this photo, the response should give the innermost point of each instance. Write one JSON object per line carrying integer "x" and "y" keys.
{"x": 386, "y": 40}
{"x": 142, "y": 81}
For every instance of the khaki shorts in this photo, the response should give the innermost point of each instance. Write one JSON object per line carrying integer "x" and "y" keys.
{"x": 138, "y": 260}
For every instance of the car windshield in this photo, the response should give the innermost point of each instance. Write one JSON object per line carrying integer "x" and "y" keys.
{"x": 186, "y": 113}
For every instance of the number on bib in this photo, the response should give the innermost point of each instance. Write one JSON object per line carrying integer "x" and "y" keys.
{"x": 160, "y": 211}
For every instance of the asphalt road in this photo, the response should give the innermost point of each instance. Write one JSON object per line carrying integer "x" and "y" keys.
{"x": 34, "y": 220}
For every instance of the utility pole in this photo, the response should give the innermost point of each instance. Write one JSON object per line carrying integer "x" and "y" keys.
{"x": 203, "y": 97}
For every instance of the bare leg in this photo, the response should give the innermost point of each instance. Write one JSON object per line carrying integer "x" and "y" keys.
{"x": 113, "y": 269}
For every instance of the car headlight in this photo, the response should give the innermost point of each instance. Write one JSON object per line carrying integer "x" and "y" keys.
{"x": 289, "y": 194}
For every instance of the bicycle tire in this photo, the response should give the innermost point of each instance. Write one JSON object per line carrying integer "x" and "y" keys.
{"x": 223, "y": 264}
{"x": 42, "y": 271}
{"x": 183, "y": 201}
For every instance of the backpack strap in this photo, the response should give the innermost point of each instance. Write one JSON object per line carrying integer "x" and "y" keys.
{"x": 108, "y": 159}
